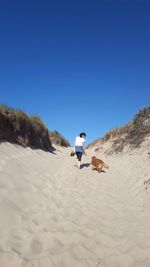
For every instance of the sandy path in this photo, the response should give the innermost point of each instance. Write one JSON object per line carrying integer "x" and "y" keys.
{"x": 54, "y": 215}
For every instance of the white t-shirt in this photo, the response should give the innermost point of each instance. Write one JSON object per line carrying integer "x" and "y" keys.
{"x": 79, "y": 141}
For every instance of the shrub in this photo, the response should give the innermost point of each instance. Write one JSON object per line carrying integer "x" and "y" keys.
{"x": 17, "y": 127}
{"x": 58, "y": 139}
{"x": 132, "y": 134}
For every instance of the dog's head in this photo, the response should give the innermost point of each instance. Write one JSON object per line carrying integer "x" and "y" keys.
{"x": 94, "y": 161}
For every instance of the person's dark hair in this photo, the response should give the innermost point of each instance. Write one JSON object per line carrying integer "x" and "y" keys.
{"x": 82, "y": 134}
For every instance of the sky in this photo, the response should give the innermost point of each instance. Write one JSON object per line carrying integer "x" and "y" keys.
{"x": 80, "y": 65}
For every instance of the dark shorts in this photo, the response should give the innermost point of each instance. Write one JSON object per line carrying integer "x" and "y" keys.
{"x": 79, "y": 152}
{"x": 79, "y": 155}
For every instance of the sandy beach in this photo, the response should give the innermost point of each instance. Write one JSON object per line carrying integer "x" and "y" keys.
{"x": 54, "y": 215}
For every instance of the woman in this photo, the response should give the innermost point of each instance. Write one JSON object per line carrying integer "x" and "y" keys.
{"x": 79, "y": 147}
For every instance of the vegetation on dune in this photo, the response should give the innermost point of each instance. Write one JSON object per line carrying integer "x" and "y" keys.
{"x": 37, "y": 122}
{"x": 140, "y": 127}
{"x": 58, "y": 139}
{"x": 132, "y": 134}
{"x": 17, "y": 127}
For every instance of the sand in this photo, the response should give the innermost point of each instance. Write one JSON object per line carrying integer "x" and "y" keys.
{"x": 54, "y": 215}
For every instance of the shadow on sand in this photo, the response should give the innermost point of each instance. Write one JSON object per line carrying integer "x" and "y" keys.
{"x": 94, "y": 169}
{"x": 85, "y": 165}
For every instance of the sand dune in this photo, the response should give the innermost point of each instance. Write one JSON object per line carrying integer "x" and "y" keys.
{"x": 54, "y": 215}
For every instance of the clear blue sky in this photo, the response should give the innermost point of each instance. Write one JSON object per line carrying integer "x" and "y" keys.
{"x": 80, "y": 65}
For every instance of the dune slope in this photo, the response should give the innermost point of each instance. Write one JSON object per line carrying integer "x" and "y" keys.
{"x": 53, "y": 214}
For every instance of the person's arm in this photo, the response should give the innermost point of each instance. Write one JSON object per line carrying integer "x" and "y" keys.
{"x": 85, "y": 152}
{"x": 74, "y": 146}
{"x": 84, "y": 149}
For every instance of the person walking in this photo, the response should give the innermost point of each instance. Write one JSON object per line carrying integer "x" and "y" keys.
{"x": 79, "y": 147}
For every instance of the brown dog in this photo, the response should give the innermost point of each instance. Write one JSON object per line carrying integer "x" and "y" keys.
{"x": 98, "y": 164}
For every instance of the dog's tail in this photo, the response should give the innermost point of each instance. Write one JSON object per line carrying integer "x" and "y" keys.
{"x": 105, "y": 165}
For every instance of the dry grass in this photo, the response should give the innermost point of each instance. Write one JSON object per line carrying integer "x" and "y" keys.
{"x": 132, "y": 134}
{"x": 58, "y": 139}
{"x": 18, "y": 127}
